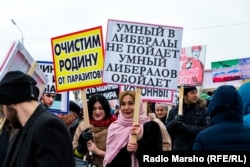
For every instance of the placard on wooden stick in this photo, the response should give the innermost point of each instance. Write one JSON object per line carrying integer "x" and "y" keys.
{"x": 81, "y": 68}
{"x": 131, "y": 63}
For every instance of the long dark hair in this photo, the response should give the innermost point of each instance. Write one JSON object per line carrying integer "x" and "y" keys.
{"x": 104, "y": 102}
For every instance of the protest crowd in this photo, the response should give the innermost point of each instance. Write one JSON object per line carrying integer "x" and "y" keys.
{"x": 118, "y": 127}
{"x": 27, "y": 127}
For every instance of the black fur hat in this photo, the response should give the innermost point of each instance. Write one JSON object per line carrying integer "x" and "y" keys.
{"x": 74, "y": 107}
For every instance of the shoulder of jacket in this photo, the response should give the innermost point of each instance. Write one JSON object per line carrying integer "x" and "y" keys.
{"x": 202, "y": 103}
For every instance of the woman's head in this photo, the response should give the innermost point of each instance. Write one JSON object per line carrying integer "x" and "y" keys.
{"x": 127, "y": 101}
{"x": 98, "y": 107}
{"x": 161, "y": 110}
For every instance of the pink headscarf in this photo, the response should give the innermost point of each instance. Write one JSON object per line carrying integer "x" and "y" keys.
{"x": 119, "y": 135}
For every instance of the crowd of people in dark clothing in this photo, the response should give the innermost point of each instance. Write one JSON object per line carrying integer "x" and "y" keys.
{"x": 31, "y": 136}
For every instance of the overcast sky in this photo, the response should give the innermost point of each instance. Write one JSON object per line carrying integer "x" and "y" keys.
{"x": 222, "y": 25}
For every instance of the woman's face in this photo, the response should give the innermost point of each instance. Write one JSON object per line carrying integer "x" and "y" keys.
{"x": 127, "y": 106}
{"x": 160, "y": 112}
{"x": 98, "y": 113}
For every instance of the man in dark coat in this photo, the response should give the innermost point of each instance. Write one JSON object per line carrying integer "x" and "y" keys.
{"x": 42, "y": 139}
{"x": 226, "y": 131}
{"x": 184, "y": 128}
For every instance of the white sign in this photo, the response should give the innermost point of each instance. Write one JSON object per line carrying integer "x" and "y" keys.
{"x": 153, "y": 95}
{"x": 142, "y": 55}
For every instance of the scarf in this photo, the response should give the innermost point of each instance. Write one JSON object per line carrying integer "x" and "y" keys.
{"x": 119, "y": 135}
{"x": 103, "y": 123}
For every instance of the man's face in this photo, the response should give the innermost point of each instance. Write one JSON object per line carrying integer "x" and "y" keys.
{"x": 196, "y": 53}
{"x": 191, "y": 97}
{"x": 11, "y": 114}
{"x": 48, "y": 98}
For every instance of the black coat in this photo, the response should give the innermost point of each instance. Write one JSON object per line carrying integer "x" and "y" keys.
{"x": 4, "y": 140}
{"x": 195, "y": 117}
{"x": 151, "y": 142}
{"x": 43, "y": 141}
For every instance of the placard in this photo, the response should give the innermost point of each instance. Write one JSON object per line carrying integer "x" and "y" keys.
{"x": 142, "y": 55}
{"x": 18, "y": 58}
{"x": 78, "y": 59}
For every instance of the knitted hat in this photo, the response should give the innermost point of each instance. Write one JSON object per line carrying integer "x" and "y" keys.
{"x": 17, "y": 87}
{"x": 188, "y": 89}
{"x": 74, "y": 107}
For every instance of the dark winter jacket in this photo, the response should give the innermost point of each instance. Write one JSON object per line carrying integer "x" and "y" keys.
{"x": 6, "y": 134}
{"x": 43, "y": 141}
{"x": 195, "y": 117}
{"x": 4, "y": 140}
{"x": 151, "y": 142}
{"x": 226, "y": 130}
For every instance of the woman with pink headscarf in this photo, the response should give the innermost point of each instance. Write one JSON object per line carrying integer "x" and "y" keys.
{"x": 120, "y": 150}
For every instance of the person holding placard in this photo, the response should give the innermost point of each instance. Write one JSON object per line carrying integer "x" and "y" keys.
{"x": 184, "y": 128}
{"x": 122, "y": 151}
{"x": 42, "y": 138}
{"x": 93, "y": 139}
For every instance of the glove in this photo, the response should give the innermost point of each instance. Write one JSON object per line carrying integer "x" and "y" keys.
{"x": 85, "y": 136}
{"x": 178, "y": 119}
{"x": 180, "y": 125}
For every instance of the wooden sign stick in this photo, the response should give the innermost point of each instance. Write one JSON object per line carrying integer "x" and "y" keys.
{"x": 85, "y": 108}
{"x": 85, "y": 111}
{"x": 181, "y": 91}
{"x": 2, "y": 122}
{"x": 136, "y": 110}
{"x": 145, "y": 108}
{"x": 41, "y": 88}
{"x": 32, "y": 68}
{"x": 31, "y": 71}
